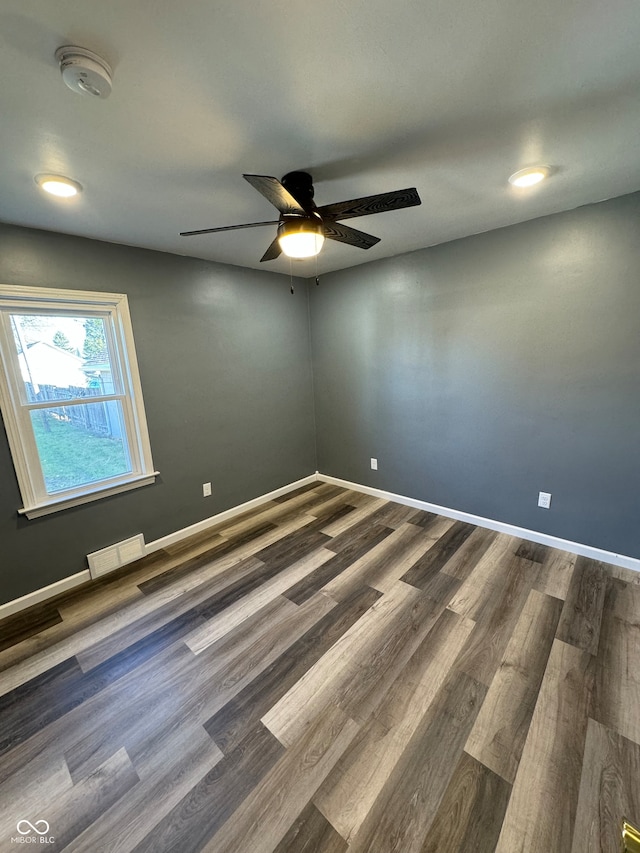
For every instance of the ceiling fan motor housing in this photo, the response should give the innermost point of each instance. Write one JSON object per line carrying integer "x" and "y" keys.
{"x": 84, "y": 71}
{"x": 300, "y": 185}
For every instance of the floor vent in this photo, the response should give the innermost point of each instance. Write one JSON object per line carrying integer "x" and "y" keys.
{"x": 111, "y": 558}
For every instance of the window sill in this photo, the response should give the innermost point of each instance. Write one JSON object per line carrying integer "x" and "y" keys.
{"x": 54, "y": 505}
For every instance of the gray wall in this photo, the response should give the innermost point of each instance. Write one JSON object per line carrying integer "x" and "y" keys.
{"x": 477, "y": 372}
{"x": 225, "y": 367}
{"x": 482, "y": 371}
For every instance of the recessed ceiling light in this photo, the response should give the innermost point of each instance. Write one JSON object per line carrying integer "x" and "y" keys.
{"x": 58, "y": 185}
{"x": 529, "y": 177}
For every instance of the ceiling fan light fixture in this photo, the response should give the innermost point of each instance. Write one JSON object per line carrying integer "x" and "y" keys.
{"x": 530, "y": 176}
{"x": 300, "y": 239}
{"x": 58, "y": 185}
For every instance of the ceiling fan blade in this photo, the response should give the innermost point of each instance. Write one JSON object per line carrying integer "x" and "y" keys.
{"x": 380, "y": 203}
{"x": 345, "y": 234}
{"x": 226, "y": 228}
{"x": 272, "y": 252}
{"x": 273, "y": 191}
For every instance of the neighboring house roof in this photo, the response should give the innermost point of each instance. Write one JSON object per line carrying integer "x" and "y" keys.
{"x": 46, "y": 364}
{"x": 100, "y": 361}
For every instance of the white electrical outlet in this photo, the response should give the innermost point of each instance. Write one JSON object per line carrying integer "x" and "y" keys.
{"x": 544, "y": 500}
{"x": 206, "y": 490}
{"x": 374, "y": 464}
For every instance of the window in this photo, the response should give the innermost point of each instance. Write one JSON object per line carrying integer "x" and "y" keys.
{"x": 70, "y": 396}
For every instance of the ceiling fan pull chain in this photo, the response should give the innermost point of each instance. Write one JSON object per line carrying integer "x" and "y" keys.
{"x": 291, "y": 274}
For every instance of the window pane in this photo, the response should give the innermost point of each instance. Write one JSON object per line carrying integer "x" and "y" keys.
{"x": 80, "y": 444}
{"x": 62, "y": 357}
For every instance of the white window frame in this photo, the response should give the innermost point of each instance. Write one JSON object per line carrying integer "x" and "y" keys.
{"x": 114, "y": 309}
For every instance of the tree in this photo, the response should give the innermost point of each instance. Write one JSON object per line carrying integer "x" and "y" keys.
{"x": 95, "y": 344}
{"x": 61, "y": 341}
{"x": 29, "y": 329}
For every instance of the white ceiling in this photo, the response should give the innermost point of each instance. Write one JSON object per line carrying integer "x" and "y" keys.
{"x": 449, "y": 96}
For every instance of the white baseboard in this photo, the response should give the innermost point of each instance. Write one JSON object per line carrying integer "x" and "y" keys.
{"x": 43, "y": 594}
{"x": 521, "y": 532}
{"x": 199, "y": 526}
{"x": 66, "y": 584}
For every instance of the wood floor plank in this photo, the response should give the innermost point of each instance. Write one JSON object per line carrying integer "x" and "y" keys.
{"x": 441, "y": 587}
{"x": 94, "y": 604}
{"x": 92, "y": 731}
{"x": 366, "y": 508}
{"x": 582, "y": 611}
{"x": 30, "y": 707}
{"x": 259, "y": 624}
{"x": 609, "y": 790}
{"x": 231, "y": 723}
{"x": 84, "y": 718}
{"x": 396, "y": 515}
{"x": 277, "y": 512}
{"x": 408, "y": 552}
{"x": 176, "y": 768}
{"x": 22, "y": 794}
{"x": 356, "y": 528}
{"x": 533, "y": 551}
{"x": 143, "y": 731}
{"x": 476, "y": 594}
{"x": 64, "y": 687}
{"x": 395, "y": 645}
{"x": 499, "y": 733}
{"x": 404, "y": 810}
{"x": 295, "y": 545}
{"x": 624, "y": 600}
{"x": 541, "y": 813}
{"x": 192, "y": 604}
{"x": 215, "y": 628}
{"x": 148, "y": 709}
{"x": 321, "y": 577}
{"x": 181, "y": 567}
{"x": 422, "y": 518}
{"x": 42, "y": 660}
{"x": 381, "y": 565}
{"x": 471, "y": 811}
{"x": 311, "y": 833}
{"x": 497, "y": 615}
{"x": 555, "y": 573}
{"x": 462, "y": 562}
{"x": 618, "y": 682}
{"x": 195, "y": 544}
{"x": 206, "y": 566}
{"x": 269, "y": 811}
{"x": 437, "y": 556}
{"x": 23, "y": 625}
{"x": 188, "y": 826}
{"x": 350, "y": 791}
{"x": 627, "y": 575}
{"x": 80, "y": 608}
{"x": 326, "y": 509}
{"x": 379, "y": 645}
{"x": 70, "y": 812}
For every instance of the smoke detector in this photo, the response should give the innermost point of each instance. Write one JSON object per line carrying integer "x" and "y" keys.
{"x": 84, "y": 71}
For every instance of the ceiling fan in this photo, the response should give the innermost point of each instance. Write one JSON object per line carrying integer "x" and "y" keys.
{"x": 302, "y": 227}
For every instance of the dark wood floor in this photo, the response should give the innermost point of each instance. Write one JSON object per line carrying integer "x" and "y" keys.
{"x": 331, "y": 672}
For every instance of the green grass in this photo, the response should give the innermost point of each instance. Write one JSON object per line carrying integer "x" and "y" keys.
{"x": 71, "y": 456}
